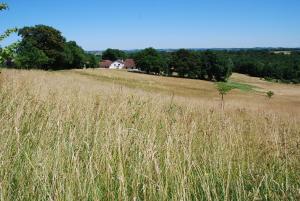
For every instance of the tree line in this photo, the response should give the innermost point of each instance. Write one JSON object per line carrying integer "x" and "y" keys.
{"x": 182, "y": 63}
{"x": 216, "y": 64}
{"x": 267, "y": 64}
{"x": 43, "y": 47}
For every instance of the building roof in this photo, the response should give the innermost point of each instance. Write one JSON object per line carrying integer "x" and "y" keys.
{"x": 129, "y": 63}
{"x": 105, "y": 63}
{"x": 119, "y": 61}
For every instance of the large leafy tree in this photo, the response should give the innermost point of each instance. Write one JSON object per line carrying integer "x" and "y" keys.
{"x": 113, "y": 54}
{"x": 223, "y": 69}
{"x": 29, "y": 56}
{"x": 216, "y": 67}
{"x": 44, "y": 47}
{"x": 75, "y": 55}
{"x": 8, "y": 54}
{"x": 210, "y": 61}
{"x": 186, "y": 63}
{"x": 47, "y": 40}
{"x": 150, "y": 60}
{"x": 92, "y": 61}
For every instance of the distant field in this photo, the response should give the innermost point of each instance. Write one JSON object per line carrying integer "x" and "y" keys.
{"x": 250, "y": 91}
{"x": 113, "y": 135}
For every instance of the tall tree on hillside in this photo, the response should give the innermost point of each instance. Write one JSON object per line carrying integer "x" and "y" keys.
{"x": 209, "y": 60}
{"x": 186, "y": 63}
{"x": 76, "y": 57}
{"x": 92, "y": 61}
{"x": 113, "y": 54}
{"x": 216, "y": 67}
{"x": 150, "y": 60}
{"x": 29, "y": 56}
{"x": 223, "y": 69}
{"x": 45, "y": 48}
{"x": 47, "y": 42}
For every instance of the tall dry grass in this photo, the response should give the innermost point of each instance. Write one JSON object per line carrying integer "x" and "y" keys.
{"x": 71, "y": 138}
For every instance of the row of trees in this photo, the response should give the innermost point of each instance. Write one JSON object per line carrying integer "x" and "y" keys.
{"x": 216, "y": 65}
{"x": 267, "y": 64}
{"x": 44, "y": 47}
{"x": 185, "y": 63}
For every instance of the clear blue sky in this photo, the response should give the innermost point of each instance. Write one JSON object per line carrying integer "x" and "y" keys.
{"x": 130, "y": 24}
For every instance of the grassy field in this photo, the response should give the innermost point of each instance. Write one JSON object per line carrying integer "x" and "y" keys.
{"x": 113, "y": 135}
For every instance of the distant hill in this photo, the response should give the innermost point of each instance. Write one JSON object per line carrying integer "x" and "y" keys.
{"x": 99, "y": 52}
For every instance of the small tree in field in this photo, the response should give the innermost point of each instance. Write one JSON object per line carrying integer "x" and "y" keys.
{"x": 223, "y": 90}
{"x": 270, "y": 94}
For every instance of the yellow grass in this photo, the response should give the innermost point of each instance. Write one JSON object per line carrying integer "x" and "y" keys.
{"x": 112, "y": 135}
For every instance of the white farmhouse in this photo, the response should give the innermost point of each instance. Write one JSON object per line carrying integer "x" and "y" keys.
{"x": 119, "y": 64}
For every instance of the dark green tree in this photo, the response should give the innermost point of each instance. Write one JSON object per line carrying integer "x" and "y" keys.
{"x": 8, "y": 54}
{"x": 113, "y": 54}
{"x": 44, "y": 47}
{"x": 267, "y": 63}
{"x": 47, "y": 40}
{"x": 150, "y": 61}
{"x": 29, "y": 56}
{"x": 92, "y": 61}
{"x": 216, "y": 67}
{"x": 75, "y": 56}
{"x": 209, "y": 60}
{"x": 222, "y": 70}
{"x": 186, "y": 63}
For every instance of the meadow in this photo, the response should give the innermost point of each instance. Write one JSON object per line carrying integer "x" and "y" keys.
{"x": 97, "y": 134}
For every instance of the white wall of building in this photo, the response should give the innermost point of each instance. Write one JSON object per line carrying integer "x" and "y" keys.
{"x": 117, "y": 65}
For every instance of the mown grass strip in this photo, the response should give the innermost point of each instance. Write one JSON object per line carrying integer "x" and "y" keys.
{"x": 237, "y": 85}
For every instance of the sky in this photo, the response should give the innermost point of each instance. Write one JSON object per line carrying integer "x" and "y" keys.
{"x": 137, "y": 24}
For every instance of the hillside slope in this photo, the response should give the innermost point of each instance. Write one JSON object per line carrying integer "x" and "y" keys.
{"x": 112, "y": 135}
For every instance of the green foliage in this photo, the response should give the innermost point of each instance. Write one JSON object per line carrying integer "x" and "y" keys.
{"x": 75, "y": 55}
{"x": 43, "y": 39}
{"x": 280, "y": 67}
{"x": 151, "y": 61}
{"x": 216, "y": 67}
{"x": 44, "y": 47}
{"x": 224, "y": 88}
{"x": 7, "y": 33}
{"x": 8, "y": 54}
{"x": 270, "y": 94}
{"x": 236, "y": 85}
{"x": 113, "y": 54}
{"x": 223, "y": 69}
{"x": 186, "y": 63}
{"x": 3, "y": 6}
{"x": 30, "y": 56}
{"x": 92, "y": 61}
